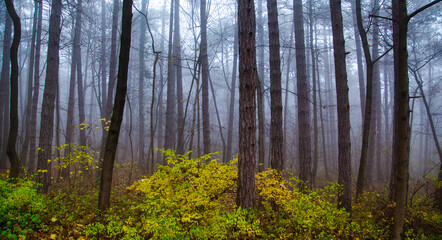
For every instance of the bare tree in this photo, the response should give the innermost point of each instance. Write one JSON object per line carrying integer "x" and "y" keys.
{"x": 118, "y": 109}
{"x": 4, "y": 91}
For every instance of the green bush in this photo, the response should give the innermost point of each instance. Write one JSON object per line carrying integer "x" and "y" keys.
{"x": 22, "y": 209}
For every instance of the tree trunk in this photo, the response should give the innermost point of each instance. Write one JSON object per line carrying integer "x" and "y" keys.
{"x": 401, "y": 128}
{"x": 103, "y": 64}
{"x": 205, "y": 79}
{"x": 359, "y": 59}
{"x": 4, "y": 91}
{"x": 170, "y": 130}
{"x": 118, "y": 109}
{"x": 232, "y": 94}
{"x": 305, "y": 156}
{"x": 286, "y": 97}
{"x": 315, "y": 108}
{"x": 13, "y": 115}
{"x": 344, "y": 143}
{"x": 260, "y": 89}
{"x": 247, "y": 106}
{"x": 33, "y": 123}
{"x": 50, "y": 90}
{"x": 26, "y": 123}
{"x": 179, "y": 79}
{"x": 81, "y": 114}
{"x": 141, "y": 101}
{"x": 276, "y": 133}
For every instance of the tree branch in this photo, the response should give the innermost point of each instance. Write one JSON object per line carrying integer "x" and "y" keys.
{"x": 422, "y": 9}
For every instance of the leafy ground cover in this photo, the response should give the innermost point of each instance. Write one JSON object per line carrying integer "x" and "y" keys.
{"x": 194, "y": 198}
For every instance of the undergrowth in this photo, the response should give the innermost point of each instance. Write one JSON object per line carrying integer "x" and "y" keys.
{"x": 194, "y": 198}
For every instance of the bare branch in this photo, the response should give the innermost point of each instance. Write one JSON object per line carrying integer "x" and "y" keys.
{"x": 422, "y": 9}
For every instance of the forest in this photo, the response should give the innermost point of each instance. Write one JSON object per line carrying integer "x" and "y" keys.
{"x": 232, "y": 119}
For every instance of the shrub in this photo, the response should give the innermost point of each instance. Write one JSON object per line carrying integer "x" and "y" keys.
{"x": 22, "y": 209}
{"x": 191, "y": 198}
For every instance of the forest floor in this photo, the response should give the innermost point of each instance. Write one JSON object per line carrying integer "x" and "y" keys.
{"x": 195, "y": 199}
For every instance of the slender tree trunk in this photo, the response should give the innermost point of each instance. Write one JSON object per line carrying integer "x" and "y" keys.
{"x": 344, "y": 143}
{"x": 286, "y": 97}
{"x": 50, "y": 90}
{"x": 179, "y": 79}
{"x": 359, "y": 59}
{"x": 260, "y": 89}
{"x": 13, "y": 115}
{"x": 276, "y": 133}
{"x": 304, "y": 128}
{"x": 205, "y": 79}
{"x": 26, "y": 124}
{"x": 80, "y": 90}
{"x": 247, "y": 106}
{"x": 232, "y": 95}
{"x": 324, "y": 143}
{"x": 141, "y": 78}
{"x": 4, "y": 91}
{"x": 170, "y": 130}
{"x": 33, "y": 123}
{"x": 118, "y": 109}
{"x": 103, "y": 63}
{"x": 315, "y": 108}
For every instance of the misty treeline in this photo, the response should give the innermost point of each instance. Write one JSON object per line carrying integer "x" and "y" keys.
{"x": 345, "y": 91}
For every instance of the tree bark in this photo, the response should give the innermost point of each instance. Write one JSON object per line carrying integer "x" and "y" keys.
{"x": 103, "y": 64}
{"x": 344, "y": 143}
{"x": 50, "y": 90}
{"x": 260, "y": 89}
{"x": 304, "y": 128}
{"x": 315, "y": 108}
{"x": 80, "y": 90}
{"x": 141, "y": 77}
{"x": 179, "y": 79}
{"x": 276, "y": 133}
{"x": 118, "y": 109}
{"x": 13, "y": 114}
{"x": 247, "y": 106}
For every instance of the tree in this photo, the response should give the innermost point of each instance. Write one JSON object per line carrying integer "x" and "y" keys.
{"x": 179, "y": 79}
{"x": 50, "y": 90}
{"x": 4, "y": 90}
{"x": 401, "y": 127}
{"x": 305, "y": 156}
{"x": 247, "y": 106}
{"x": 80, "y": 90}
{"x": 205, "y": 79}
{"x": 344, "y": 143}
{"x": 170, "y": 128}
{"x": 276, "y": 133}
{"x": 118, "y": 109}
{"x": 141, "y": 77}
{"x": 13, "y": 114}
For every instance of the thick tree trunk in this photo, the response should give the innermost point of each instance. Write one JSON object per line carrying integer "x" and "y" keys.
{"x": 205, "y": 79}
{"x": 179, "y": 79}
{"x": 118, "y": 109}
{"x": 401, "y": 128}
{"x": 13, "y": 115}
{"x": 247, "y": 104}
{"x": 276, "y": 133}
{"x": 50, "y": 90}
{"x": 4, "y": 91}
{"x": 304, "y": 128}
{"x": 344, "y": 143}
